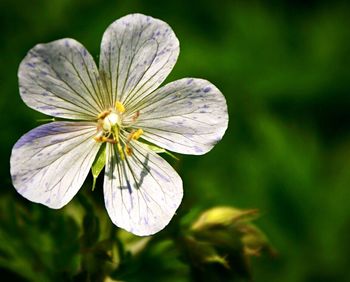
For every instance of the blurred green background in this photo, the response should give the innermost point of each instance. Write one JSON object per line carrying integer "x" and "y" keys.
{"x": 284, "y": 68}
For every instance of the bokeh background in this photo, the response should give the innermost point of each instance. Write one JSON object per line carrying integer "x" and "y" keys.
{"x": 284, "y": 68}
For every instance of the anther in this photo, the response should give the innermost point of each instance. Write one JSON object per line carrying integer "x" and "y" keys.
{"x": 135, "y": 116}
{"x": 103, "y": 114}
{"x": 104, "y": 139}
{"x": 128, "y": 150}
{"x": 119, "y": 107}
{"x": 136, "y": 135}
{"x": 98, "y": 138}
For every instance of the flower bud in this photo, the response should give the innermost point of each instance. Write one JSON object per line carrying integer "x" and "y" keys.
{"x": 224, "y": 237}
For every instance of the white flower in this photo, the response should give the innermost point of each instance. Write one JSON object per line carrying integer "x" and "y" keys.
{"x": 114, "y": 106}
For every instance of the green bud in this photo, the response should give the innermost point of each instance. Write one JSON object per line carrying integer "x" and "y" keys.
{"x": 255, "y": 241}
{"x": 225, "y": 236}
{"x": 204, "y": 253}
{"x": 223, "y": 216}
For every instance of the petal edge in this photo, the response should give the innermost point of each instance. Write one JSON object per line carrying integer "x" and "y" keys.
{"x": 60, "y": 79}
{"x": 142, "y": 192}
{"x": 187, "y": 116}
{"x": 49, "y": 164}
{"x": 137, "y": 54}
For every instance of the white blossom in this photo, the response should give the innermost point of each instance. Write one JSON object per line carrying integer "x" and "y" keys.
{"x": 116, "y": 107}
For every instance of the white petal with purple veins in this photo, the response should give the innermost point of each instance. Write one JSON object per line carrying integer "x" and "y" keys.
{"x": 61, "y": 79}
{"x": 137, "y": 54}
{"x": 50, "y": 163}
{"x": 187, "y": 116}
{"x": 142, "y": 192}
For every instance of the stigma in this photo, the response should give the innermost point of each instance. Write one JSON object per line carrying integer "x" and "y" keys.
{"x": 110, "y": 121}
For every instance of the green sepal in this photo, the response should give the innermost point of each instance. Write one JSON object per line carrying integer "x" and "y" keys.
{"x": 45, "y": 119}
{"x": 160, "y": 150}
{"x": 98, "y": 164}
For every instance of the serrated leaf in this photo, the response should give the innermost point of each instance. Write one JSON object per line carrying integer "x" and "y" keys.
{"x": 98, "y": 164}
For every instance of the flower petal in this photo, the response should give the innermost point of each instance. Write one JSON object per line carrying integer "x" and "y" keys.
{"x": 187, "y": 116}
{"x": 137, "y": 54}
{"x": 61, "y": 79}
{"x": 50, "y": 163}
{"x": 142, "y": 192}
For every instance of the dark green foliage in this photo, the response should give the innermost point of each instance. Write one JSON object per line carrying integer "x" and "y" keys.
{"x": 283, "y": 67}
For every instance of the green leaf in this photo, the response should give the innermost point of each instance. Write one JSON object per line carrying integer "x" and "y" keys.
{"x": 98, "y": 164}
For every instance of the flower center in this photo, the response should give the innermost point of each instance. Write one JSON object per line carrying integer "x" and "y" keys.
{"x": 109, "y": 124}
{"x": 110, "y": 121}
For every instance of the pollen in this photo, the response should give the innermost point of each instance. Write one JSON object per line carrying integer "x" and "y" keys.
{"x": 128, "y": 150}
{"x": 103, "y": 115}
{"x": 136, "y": 134}
{"x": 119, "y": 107}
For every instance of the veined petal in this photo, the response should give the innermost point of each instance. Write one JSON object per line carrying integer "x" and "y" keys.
{"x": 187, "y": 116}
{"x": 50, "y": 163}
{"x": 61, "y": 79}
{"x": 141, "y": 192}
{"x": 137, "y": 54}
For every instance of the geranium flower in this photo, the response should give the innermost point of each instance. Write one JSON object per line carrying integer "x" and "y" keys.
{"x": 116, "y": 108}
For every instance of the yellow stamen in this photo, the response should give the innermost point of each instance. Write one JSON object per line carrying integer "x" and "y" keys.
{"x": 103, "y": 114}
{"x": 119, "y": 107}
{"x": 136, "y": 135}
{"x": 135, "y": 116}
{"x": 105, "y": 139}
{"x": 98, "y": 138}
{"x": 128, "y": 150}
{"x": 115, "y": 132}
{"x": 120, "y": 150}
